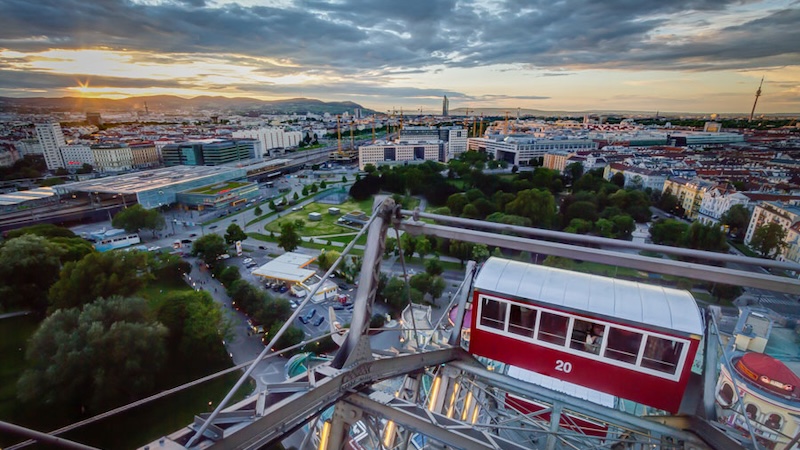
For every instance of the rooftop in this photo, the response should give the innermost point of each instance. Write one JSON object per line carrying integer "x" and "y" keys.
{"x": 133, "y": 183}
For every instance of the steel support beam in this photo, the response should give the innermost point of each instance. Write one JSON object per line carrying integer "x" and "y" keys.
{"x": 601, "y": 413}
{"x": 601, "y": 241}
{"x": 42, "y": 437}
{"x": 298, "y": 408}
{"x": 354, "y": 348}
{"x": 436, "y": 426}
{"x": 656, "y": 265}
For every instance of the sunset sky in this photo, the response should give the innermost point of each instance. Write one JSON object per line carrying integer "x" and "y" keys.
{"x": 680, "y": 55}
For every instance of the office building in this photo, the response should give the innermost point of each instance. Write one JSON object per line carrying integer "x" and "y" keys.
{"x": 445, "y": 106}
{"x": 52, "y": 139}
{"x": 400, "y": 152}
{"x": 75, "y": 156}
{"x": 211, "y": 152}
{"x": 522, "y": 149}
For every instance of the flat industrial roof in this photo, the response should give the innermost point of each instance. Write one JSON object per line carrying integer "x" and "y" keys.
{"x": 15, "y": 198}
{"x": 146, "y": 180}
{"x": 288, "y": 267}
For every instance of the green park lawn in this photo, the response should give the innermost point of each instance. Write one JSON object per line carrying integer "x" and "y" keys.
{"x": 327, "y": 225}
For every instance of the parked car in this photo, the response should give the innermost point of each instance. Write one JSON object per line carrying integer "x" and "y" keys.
{"x": 319, "y": 321}
{"x": 309, "y": 315}
{"x": 283, "y": 289}
{"x": 276, "y": 287}
{"x": 247, "y": 260}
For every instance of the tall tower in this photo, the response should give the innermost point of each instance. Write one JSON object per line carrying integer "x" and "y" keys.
{"x": 445, "y": 106}
{"x": 758, "y": 94}
{"x": 52, "y": 139}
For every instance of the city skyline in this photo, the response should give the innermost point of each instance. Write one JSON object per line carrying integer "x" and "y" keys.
{"x": 691, "y": 56}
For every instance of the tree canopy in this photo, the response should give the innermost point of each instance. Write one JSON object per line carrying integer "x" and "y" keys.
{"x": 209, "y": 247}
{"x": 234, "y": 233}
{"x": 99, "y": 275}
{"x": 29, "y": 265}
{"x": 768, "y": 240}
{"x": 97, "y": 356}
{"x": 136, "y": 218}
{"x": 289, "y": 238}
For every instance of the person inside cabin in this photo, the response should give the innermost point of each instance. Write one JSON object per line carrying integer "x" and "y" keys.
{"x": 594, "y": 338}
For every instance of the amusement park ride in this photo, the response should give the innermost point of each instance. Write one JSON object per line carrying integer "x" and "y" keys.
{"x": 649, "y": 347}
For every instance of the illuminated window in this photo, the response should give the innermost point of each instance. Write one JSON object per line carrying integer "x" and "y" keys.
{"x": 522, "y": 320}
{"x": 623, "y": 345}
{"x": 553, "y": 328}
{"x": 662, "y": 354}
{"x": 493, "y": 313}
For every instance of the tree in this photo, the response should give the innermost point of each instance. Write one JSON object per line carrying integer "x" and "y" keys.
{"x": 323, "y": 184}
{"x": 736, "y": 218}
{"x": 574, "y": 171}
{"x": 313, "y": 188}
{"x": 194, "y": 321}
{"x": 29, "y": 265}
{"x": 668, "y": 232}
{"x": 135, "y": 218}
{"x": 423, "y": 246}
{"x": 296, "y": 196}
{"x": 623, "y": 226}
{"x": 433, "y": 267}
{"x": 234, "y": 233}
{"x": 437, "y": 287}
{"x": 768, "y": 240}
{"x": 209, "y": 247}
{"x": 169, "y": 268}
{"x": 344, "y": 178}
{"x": 272, "y": 205}
{"x": 229, "y": 275}
{"x": 305, "y": 191}
{"x": 390, "y": 246}
{"x": 421, "y": 282}
{"x": 106, "y": 353}
{"x": 258, "y": 211}
{"x": 619, "y": 179}
{"x": 409, "y": 244}
{"x": 327, "y": 258}
{"x": 291, "y": 336}
{"x": 480, "y": 252}
{"x": 536, "y": 204}
{"x": 289, "y": 238}
{"x": 99, "y": 275}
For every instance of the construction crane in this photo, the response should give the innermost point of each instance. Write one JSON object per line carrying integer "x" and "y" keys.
{"x": 339, "y": 134}
{"x": 758, "y": 94}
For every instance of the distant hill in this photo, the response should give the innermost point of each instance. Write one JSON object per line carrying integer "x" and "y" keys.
{"x": 172, "y": 103}
{"x": 512, "y": 113}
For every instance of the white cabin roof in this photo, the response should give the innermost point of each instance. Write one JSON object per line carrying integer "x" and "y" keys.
{"x": 667, "y": 308}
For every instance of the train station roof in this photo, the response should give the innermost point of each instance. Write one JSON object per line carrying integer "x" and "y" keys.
{"x": 147, "y": 180}
{"x": 15, "y": 198}
{"x": 289, "y": 267}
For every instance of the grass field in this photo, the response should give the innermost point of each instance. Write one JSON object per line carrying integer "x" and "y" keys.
{"x": 327, "y": 225}
{"x": 217, "y": 188}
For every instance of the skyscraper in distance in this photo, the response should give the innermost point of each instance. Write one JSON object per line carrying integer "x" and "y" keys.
{"x": 445, "y": 106}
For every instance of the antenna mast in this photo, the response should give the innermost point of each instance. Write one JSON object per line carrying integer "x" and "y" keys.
{"x": 758, "y": 94}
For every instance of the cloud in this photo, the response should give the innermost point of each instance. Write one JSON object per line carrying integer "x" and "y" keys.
{"x": 354, "y": 36}
{"x": 43, "y": 80}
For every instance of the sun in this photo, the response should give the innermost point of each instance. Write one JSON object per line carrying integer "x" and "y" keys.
{"x": 83, "y": 88}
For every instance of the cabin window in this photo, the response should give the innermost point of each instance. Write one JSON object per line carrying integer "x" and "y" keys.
{"x": 751, "y": 411}
{"x": 493, "y": 313}
{"x": 662, "y": 354}
{"x": 553, "y": 328}
{"x": 522, "y": 320}
{"x": 726, "y": 394}
{"x": 774, "y": 421}
{"x": 587, "y": 336}
{"x": 623, "y": 345}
